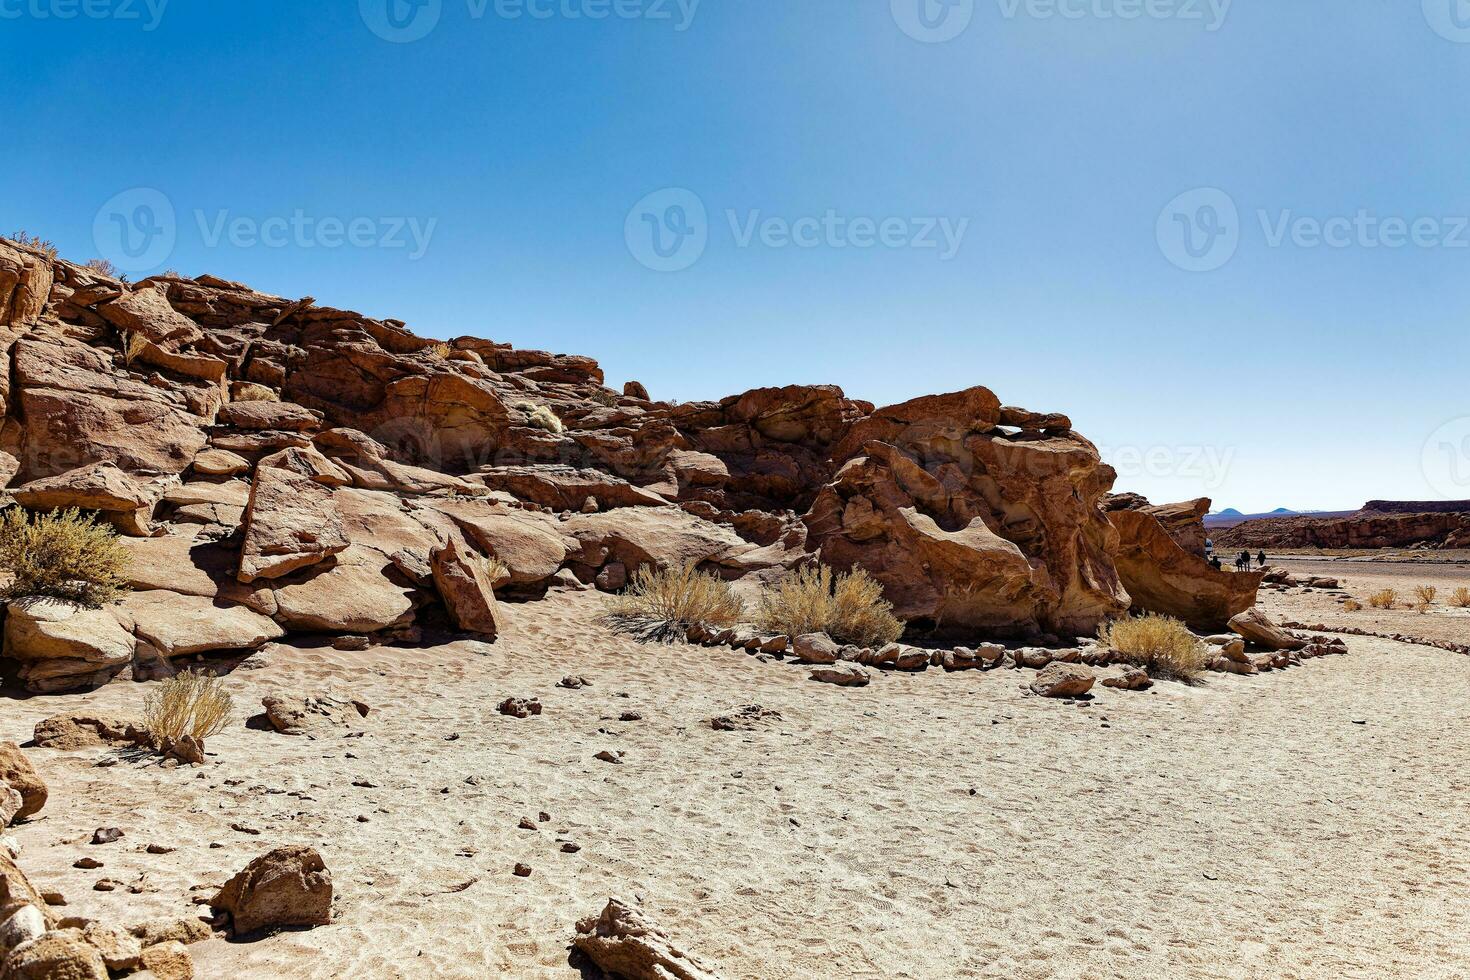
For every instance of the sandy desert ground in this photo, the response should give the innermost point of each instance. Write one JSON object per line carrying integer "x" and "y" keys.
{"x": 1362, "y": 574}
{"x": 1306, "y": 823}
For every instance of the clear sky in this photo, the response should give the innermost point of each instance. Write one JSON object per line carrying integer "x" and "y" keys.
{"x": 897, "y": 196}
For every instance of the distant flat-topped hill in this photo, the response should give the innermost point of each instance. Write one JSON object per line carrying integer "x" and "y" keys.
{"x": 1378, "y": 524}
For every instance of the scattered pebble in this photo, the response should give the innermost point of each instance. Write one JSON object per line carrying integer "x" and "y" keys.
{"x": 522, "y": 871}
{"x": 106, "y": 835}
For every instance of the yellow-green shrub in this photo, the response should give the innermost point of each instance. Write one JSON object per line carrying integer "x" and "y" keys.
{"x": 849, "y": 607}
{"x": 1163, "y": 646}
{"x": 61, "y": 555}
{"x": 671, "y": 599}
{"x": 1384, "y": 599}
{"x": 186, "y": 704}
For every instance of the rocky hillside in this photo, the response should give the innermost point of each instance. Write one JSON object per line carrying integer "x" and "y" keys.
{"x": 280, "y": 466}
{"x": 1381, "y": 526}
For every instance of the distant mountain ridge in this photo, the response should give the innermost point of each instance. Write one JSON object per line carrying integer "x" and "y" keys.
{"x": 1229, "y": 517}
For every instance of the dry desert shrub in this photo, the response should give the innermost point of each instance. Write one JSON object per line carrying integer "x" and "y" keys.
{"x": 672, "y": 599}
{"x": 1461, "y": 597}
{"x": 190, "y": 704}
{"x": 132, "y": 344}
{"x": 102, "y": 267}
{"x": 849, "y": 607}
{"x": 439, "y": 351}
{"x": 61, "y": 555}
{"x": 497, "y": 571}
{"x": 1426, "y": 594}
{"x": 604, "y": 397}
{"x": 34, "y": 241}
{"x": 540, "y": 417}
{"x": 1352, "y": 605}
{"x": 1160, "y": 644}
{"x": 1384, "y": 599}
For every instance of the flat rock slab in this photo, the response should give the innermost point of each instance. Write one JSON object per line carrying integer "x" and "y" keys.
{"x": 292, "y": 715}
{"x": 291, "y": 522}
{"x": 179, "y": 625}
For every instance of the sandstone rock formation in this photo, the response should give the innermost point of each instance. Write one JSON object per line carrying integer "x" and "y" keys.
{"x": 1162, "y": 575}
{"x": 281, "y": 466}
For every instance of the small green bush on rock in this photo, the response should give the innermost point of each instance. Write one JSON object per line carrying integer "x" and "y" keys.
{"x": 61, "y": 555}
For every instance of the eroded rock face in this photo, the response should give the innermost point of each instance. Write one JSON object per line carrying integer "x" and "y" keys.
{"x": 1162, "y": 577}
{"x": 18, "y": 773}
{"x": 25, "y": 284}
{"x": 345, "y": 475}
{"x": 968, "y": 526}
{"x": 463, "y": 581}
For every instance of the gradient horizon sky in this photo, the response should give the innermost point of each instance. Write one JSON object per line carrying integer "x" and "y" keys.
{"x": 1122, "y": 196}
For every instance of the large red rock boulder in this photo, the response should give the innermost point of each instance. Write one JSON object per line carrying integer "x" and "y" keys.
{"x": 463, "y": 580}
{"x": 969, "y": 527}
{"x": 1162, "y": 577}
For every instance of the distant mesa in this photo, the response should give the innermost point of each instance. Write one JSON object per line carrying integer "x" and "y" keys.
{"x": 1441, "y": 524}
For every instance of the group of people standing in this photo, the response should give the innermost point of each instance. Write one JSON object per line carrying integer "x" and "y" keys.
{"x": 1242, "y": 561}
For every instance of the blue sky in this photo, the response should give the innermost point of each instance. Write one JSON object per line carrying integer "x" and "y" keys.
{"x": 504, "y": 173}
